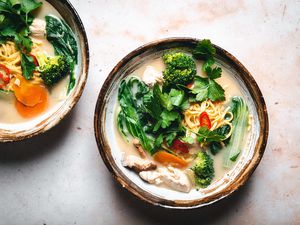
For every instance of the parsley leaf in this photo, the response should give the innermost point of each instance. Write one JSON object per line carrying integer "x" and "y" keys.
{"x": 27, "y": 65}
{"x": 176, "y": 97}
{"x": 205, "y": 135}
{"x": 206, "y": 88}
{"x": 168, "y": 117}
{"x": 204, "y": 50}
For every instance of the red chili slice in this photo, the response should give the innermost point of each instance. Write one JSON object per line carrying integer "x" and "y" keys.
{"x": 4, "y": 77}
{"x": 190, "y": 85}
{"x": 35, "y": 61}
{"x": 180, "y": 146}
{"x": 204, "y": 120}
{"x": 6, "y": 70}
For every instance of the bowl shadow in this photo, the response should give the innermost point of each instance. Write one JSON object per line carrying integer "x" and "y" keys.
{"x": 37, "y": 146}
{"x": 215, "y": 213}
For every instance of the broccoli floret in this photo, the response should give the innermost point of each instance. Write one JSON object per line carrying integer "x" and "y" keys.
{"x": 203, "y": 169}
{"x": 53, "y": 69}
{"x": 180, "y": 69}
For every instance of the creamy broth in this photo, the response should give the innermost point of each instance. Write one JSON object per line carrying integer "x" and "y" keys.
{"x": 231, "y": 87}
{"x": 57, "y": 94}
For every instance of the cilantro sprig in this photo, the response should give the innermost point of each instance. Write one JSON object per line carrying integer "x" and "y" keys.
{"x": 207, "y": 88}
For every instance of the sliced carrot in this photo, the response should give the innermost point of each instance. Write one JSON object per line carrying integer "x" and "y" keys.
{"x": 27, "y": 93}
{"x": 32, "y": 111}
{"x": 170, "y": 159}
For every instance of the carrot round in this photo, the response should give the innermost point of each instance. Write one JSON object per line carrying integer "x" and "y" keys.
{"x": 27, "y": 93}
{"x": 170, "y": 159}
{"x": 32, "y": 111}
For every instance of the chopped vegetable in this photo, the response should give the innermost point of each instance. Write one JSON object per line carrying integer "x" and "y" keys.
{"x": 128, "y": 118}
{"x": 169, "y": 159}
{"x": 5, "y": 76}
{"x": 203, "y": 169}
{"x": 180, "y": 69}
{"x": 28, "y": 66}
{"x": 64, "y": 42}
{"x": 179, "y": 146}
{"x": 53, "y": 69}
{"x": 204, "y": 120}
{"x": 206, "y": 136}
{"x": 240, "y": 113}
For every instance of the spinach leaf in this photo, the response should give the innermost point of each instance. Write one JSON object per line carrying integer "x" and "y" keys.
{"x": 61, "y": 37}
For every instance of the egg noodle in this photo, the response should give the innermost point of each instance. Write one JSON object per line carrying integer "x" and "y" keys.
{"x": 215, "y": 111}
{"x": 10, "y": 56}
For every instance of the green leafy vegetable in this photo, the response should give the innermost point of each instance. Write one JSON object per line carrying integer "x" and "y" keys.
{"x": 15, "y": 19}
{"x": 188, "y": 139}
{"x": 204, "y": 50}
{"x": 129, "y": 117}
{"x": 206, "y": 88}
{"x": 240, "y": 113}
{"x": 27, "y": 65}
{"x": 206, "y": 136}
{"x": 64, "y": 42}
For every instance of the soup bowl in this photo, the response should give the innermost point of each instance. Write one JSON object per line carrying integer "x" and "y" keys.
{"x": 18, "y": 131}
{"x": 111, "y": 152}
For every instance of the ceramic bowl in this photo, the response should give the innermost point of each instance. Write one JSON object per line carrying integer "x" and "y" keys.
{"x": 19, "y": 131}
{"x": 111, "y": 153}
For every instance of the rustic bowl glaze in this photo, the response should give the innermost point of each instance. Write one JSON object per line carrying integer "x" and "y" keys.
{"x": 220, "y": 189}
{"x": 43, "y": 123}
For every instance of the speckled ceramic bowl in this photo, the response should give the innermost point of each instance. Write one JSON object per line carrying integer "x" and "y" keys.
{"x": 105, "y": 126}
{"x": 40, "y": 124}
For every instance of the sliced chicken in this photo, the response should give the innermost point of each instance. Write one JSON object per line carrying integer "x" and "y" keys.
{"x": 38, "y": 28}
{"x": 139, "y": 148}
{"x": 173, "y": 178}
{"x": 138, "y": 164}
{"x": 152, "y": 76}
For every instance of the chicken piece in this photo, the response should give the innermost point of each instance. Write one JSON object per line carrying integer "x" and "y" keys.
{"x": 173, "y": 178}
{"x": 139, "y": 148}
{"x": 138, "y": 164}
{"x": 151, "y": 76}
{"x": 38, "y": 28}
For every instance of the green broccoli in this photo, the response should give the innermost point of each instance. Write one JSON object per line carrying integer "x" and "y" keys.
{"x": 53, "y": 69}
{"x": 180, "y": 69}
{"x": 203, "y": 169}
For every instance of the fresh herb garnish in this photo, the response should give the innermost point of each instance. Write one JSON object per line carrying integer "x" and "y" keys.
{"x": 15, "y": 19}
{"x": 207, "y": 88}
{"x": 205, "y": 136}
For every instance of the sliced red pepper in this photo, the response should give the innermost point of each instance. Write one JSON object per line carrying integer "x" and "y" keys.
{"x": 4, "y": 77}
{"x": 180, "y": 146}
{"x": 6, "y": 70}
{"x": 35, "y": 61}
{"x": 204, "y": 120}
{"x": 190, "y": 85}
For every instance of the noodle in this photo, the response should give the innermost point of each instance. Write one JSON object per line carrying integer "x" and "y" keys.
{"x": 216, "y": 113}
{"x": 11, "y": 58}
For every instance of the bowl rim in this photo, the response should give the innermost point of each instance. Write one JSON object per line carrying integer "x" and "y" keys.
{"x": 245, "y": 173}
{"x": 53, "y": 119}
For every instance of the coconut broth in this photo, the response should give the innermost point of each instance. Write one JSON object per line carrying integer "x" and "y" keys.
{"x": 231, "y": 88}
{"x": 58, "y": 93}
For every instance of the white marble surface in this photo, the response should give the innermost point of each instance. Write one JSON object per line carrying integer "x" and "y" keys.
{"x": 59, "y": 177}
